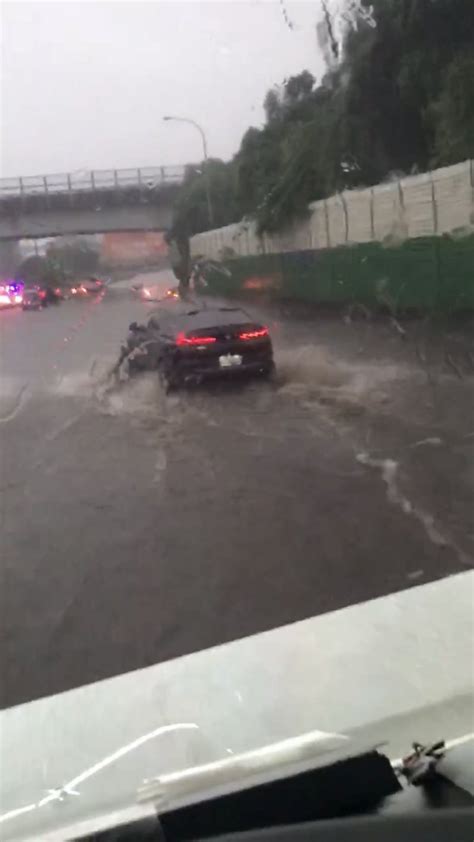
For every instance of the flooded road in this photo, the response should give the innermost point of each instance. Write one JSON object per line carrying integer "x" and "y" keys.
{"x": 138, "y": 527}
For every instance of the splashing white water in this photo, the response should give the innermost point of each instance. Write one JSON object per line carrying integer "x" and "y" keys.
{"x": 307, "y": 373}
{"x": 310, "y": 373}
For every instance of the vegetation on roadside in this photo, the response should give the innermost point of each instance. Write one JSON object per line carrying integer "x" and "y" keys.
{"x": 75, "y": 257}
{"x": 397, "y": 97}
{"x": 62, "y": 262}
{"x": 38, "y": 269}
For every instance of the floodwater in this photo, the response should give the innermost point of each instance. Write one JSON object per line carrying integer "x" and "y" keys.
{"x": 139, "y": 526}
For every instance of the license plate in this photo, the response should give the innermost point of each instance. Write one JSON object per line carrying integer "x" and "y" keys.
{"x": 230, "y": 360}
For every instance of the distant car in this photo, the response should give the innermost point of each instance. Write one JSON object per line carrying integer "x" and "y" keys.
{"x": 50, "y": 295}
{"x": 95, "y": 284}
{"x": 173, "y": 292}
{"x": 189, "y": 344}
{"x": 11, "y": 294}
{"x": 89, "y": 286}
{"x": 32, "y": 299}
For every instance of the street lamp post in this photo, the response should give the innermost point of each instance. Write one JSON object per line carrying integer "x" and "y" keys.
{"x": 206, "y": 163}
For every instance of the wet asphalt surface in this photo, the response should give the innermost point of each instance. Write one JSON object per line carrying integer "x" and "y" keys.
{"x": 138, "y": 527}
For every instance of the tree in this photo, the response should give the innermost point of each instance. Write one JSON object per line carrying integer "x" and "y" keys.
{"x": 191, "y": 213}
{"x": 398, "y": 96}
{"x": 9, "y": 257}
{"x": 40, "y": 270}
{"x": 298, "y": 89}
{"x": 257, "y": 163}
{"x": 453, "y": 113}
{"x": 272, "y": 105}
{"x": 76, "y": 258}
{"x": 395, "y": 73}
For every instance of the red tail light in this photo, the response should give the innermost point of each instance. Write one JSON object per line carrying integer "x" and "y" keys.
{"x": 181, "y": 339}
{"x": 254, "y": 334}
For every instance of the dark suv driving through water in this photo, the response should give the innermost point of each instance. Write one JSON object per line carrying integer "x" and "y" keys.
{"x": 188, "y": 344}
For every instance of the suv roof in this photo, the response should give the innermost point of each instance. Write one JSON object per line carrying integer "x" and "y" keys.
{"x": 192, "y": 317}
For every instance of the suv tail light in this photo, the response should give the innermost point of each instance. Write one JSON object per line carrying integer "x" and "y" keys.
{"x": 254, "y": 334}
{"x": 182, "y": 339}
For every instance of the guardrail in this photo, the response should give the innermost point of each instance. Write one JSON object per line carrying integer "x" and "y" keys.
{"x": 88, "y": 181}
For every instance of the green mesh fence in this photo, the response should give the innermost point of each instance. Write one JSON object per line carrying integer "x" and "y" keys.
{"x": 429, "y": 273}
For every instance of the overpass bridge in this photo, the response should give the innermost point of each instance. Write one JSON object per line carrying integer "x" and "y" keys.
{"x": 88, "y": 202}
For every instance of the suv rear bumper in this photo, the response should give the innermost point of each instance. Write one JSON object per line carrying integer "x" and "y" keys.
{"x": 197, "y": 367}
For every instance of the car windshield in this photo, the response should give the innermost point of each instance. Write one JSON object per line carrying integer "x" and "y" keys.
{"x": 236, "y": 390}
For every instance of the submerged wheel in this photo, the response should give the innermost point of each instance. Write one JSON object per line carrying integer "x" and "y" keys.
{"x": 168, "y": 381}
{"x": 268, "y": 373}
{"x": 133, "y": 369}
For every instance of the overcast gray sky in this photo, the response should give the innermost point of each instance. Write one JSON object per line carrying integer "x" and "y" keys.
{"x": 85, "y": 84}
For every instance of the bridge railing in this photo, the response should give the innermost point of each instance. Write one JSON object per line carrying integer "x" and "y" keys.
{"x": 146, "y": 178}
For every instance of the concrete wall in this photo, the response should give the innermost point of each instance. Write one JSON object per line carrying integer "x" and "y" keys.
{"x": 401, "y": 245}
{"x": 56, "y": 222}
{"x": 430, "y": 204}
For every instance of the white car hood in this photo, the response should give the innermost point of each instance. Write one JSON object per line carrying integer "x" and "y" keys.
{"x": 390, "y": 670}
